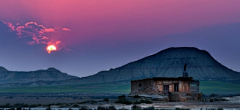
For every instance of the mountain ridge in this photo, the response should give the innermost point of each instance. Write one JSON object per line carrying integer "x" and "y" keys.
{"x": 165, "y": 63}
{"x": 168, "y": 63}
{"x": 50, "y": 74}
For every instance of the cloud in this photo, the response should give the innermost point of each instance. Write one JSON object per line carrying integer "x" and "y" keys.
{"x": 10, "y": 25}
{"x": 32, "y": 29}
{"x": 39, "y": 34}
{"x": 58, "y": 42}
{"x": 66, "y": 29}
{"x": 35, "y": 31}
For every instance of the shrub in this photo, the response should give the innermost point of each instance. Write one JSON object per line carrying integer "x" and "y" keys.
{"x": 123, "y": 101}
{"x": 10, "y": 97}
{"x": 136, "y": 96}
{"x": 48, "y": 108}
{"x": 220, "y": 108}
{"x": 83, "y": 108}
{"x": 106, "y": 99}
{"x": 181, "y": 109}
{"x": 101, "y": 108}
{"x": 19, "y": 108}
{"x": 136, "y": 102}
{"x": 135, "y": 107}
{"x": 7, "y": 105}
{"x": 213, "y": 95}
{"x": 123, "y": 108}
{"x": 93, "y": 102}
{"x": 75, "y": 105}
{"x": 33, "y": 105}
{"x": 211, "y": 100}
{"x": 82, "y": 102}
{"x": 146, "y": 101}
{"x": 112, "y": 108}
{"x": 121, "y": 97}
{"x": 25, "y": 105}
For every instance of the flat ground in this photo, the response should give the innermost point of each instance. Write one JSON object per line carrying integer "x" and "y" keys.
{"x": 53, "y": 98}
{"x": 184, "y": 105}
{"x": 79, "y": 88}
{"x": 93, "y": 94}
{"x": 206, "y": 87}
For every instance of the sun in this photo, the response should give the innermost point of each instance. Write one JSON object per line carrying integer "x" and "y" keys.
{"x": 51, "y": 48}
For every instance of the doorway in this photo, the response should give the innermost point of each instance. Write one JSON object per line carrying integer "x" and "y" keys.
{"x": 165, "y": 89}
{"x": 176, "y": 87}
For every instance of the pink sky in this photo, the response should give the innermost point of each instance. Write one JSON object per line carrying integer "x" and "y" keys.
{"x": 93, "y": 19}
{"x": 85, "y": 25}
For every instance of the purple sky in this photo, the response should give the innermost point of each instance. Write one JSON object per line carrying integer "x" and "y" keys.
{"x": 92, "y": 36}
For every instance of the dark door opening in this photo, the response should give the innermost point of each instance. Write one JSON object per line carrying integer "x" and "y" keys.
{"x": 165, "y": 89}
{"x": 176, "y": 87}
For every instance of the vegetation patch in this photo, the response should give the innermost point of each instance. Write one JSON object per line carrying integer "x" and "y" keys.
{"x": 206, "y": 87}
{"x": 123, "y": 101}
{"x": 78, "y": 88}
{"x": 219, "y": 87}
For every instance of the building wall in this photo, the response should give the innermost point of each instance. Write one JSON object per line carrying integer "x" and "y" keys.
{"x": 149, "y": 86}
{"x": 142, "y": 87}
{"x": 187, "y": 89}
{"x": 183, "y": 86}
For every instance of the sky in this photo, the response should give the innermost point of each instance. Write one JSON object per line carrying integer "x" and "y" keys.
{"x": 92, "y": 35}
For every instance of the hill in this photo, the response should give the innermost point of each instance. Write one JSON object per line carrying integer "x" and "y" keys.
{"x": 50, "y": 74}
{"x": 168, "y": 63}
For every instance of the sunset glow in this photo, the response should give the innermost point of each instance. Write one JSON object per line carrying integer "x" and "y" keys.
{"x": 87, "y": 33}
{"x": 51, "y": 48}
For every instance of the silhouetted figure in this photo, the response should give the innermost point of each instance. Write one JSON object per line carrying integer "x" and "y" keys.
{"x": 185, "y": 67}
{"x": 185, "y": 74}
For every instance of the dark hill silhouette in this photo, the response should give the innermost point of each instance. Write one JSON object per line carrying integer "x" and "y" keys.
{"x": 51, "y": 74}
{"x": 168, "y": 63}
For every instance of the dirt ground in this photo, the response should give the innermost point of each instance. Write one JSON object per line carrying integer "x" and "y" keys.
{"x": 39, "y": 100}
{"x": 232, "y": 103}
{"x": 50, "y": 98}
{"x": 172, "y": 105}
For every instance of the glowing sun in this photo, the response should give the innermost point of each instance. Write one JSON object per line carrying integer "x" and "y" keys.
{"x": 51, "y": 48}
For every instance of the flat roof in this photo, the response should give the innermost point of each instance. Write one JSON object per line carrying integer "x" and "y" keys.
{"x": 166, "y": 78}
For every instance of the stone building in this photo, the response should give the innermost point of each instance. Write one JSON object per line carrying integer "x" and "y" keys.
{"x": 174, "y": 88}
